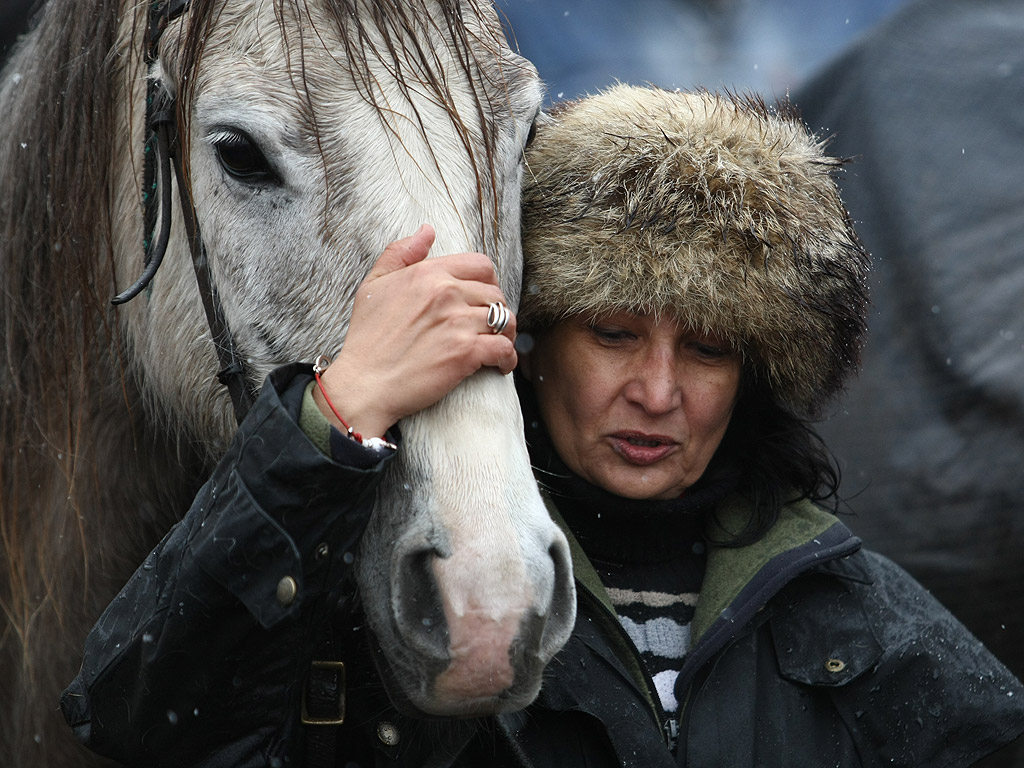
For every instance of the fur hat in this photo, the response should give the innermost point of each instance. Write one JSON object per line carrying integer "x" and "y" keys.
{"x": 713, "y": 208}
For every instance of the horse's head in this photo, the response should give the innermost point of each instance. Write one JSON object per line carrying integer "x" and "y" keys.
{"x": 315, "y": 133}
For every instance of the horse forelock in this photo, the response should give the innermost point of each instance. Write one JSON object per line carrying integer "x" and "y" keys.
{"x": 416, "y": 44}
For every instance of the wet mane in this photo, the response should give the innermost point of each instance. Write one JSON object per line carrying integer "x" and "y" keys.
{"x": 56, "y": 255}
{"x": 54, "y": 222}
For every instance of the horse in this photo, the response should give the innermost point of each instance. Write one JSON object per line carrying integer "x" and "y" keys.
{"x": 930, "y": 437}
{"x": 310, "y": 134}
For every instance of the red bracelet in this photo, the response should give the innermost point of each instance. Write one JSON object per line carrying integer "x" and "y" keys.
{"x": 319, "y": 367}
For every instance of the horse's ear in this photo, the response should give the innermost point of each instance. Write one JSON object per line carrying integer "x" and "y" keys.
{"x": 167, "y": 24}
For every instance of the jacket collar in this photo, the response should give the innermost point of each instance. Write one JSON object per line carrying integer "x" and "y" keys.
{"x": 738, "y": 581}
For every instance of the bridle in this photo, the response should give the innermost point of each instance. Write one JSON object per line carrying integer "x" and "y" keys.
{"x": 163, "y": 148}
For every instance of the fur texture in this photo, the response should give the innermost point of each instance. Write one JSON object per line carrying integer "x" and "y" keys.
{"x": 711, "y": 207}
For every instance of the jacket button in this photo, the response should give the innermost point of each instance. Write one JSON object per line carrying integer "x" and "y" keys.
{"x": 387, "y": 733}
{"x": 835, "y": 665}
{"x": 287, "y": 589}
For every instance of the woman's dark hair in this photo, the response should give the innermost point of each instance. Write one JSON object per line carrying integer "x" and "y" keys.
{"x": 779, "y": 457}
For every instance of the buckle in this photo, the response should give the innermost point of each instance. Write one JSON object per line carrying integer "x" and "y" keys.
{"x": 324, "y": 688}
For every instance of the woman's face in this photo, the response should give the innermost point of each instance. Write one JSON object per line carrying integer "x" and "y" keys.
{"x": 634, "y": 405}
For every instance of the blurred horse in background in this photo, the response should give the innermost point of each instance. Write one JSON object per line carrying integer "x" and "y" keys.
{"x": 930, "y": 438}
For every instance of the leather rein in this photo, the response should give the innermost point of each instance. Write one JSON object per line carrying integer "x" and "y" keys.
{"x": 162, "y": 150}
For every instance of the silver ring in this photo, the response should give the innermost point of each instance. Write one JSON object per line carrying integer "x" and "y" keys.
{"x": 497, "y": 316}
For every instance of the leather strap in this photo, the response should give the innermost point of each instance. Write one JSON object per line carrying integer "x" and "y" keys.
{"x": 323, "y": 701}
{"x": 323, "y": 710}
{"x": 233, "y": 372}
{"x": 161, "y": 149}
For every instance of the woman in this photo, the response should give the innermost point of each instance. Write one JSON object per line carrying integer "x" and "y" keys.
{"x": 694, "y": 294}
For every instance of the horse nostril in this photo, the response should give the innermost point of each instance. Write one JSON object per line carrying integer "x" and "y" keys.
{"x": 562, "y": 612}
{"x": 418, "y": 611}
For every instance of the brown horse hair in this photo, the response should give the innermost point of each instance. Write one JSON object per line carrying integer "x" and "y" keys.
{"x": 60, "y": 341}
{"x": 54, "y": 216}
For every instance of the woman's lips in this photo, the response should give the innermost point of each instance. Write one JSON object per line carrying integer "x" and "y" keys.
{"x": 641, "y": 449}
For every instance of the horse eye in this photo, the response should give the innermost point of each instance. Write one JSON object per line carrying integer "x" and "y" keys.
{"x": 242, "y": 159}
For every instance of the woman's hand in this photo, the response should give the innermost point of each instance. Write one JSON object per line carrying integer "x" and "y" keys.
{"x": 418, "y": 328}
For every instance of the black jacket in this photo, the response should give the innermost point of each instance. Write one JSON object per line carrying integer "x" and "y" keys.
{"x": 806, "y": 650}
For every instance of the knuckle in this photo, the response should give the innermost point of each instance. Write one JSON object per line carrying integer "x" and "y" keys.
{"x": 449, "y": 290}
{"x": 480, "y": 263}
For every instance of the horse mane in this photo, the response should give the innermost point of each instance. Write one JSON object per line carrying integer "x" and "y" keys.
{"x": 56, "y": 254}
{"x": 53, "y": 162}
{"x": 62, "y": 361}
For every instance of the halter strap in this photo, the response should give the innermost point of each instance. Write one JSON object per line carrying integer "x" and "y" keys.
{"x": 233, "y": 372}
{"x": 161, "y": 149}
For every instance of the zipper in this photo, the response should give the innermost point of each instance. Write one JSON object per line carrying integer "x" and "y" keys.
{"x": 697, "y": 681}
{"x": 671, "y": 730}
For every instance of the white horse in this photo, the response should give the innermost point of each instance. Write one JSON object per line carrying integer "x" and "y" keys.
{"x": 314, "y": 132}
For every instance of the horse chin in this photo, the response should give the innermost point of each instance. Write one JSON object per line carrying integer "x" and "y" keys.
{"x": 416, "y": 692}
{"x": 453, "y": 696}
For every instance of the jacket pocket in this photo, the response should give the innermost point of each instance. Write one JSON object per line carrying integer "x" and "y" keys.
{"x": 821, "y": 633}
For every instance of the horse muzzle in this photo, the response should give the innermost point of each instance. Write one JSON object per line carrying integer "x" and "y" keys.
{"x": 480, "y": 630}
{"x": 467, "y": 582}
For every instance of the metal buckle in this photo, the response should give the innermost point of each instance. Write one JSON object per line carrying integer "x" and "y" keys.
{"x": 338, "y": 668}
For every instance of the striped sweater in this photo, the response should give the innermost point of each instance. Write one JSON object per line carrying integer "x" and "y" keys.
{"x": 652, "y": 566}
